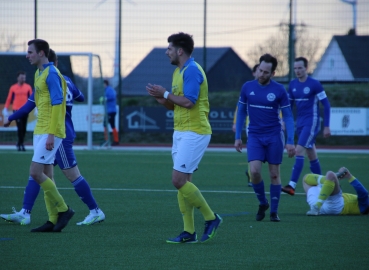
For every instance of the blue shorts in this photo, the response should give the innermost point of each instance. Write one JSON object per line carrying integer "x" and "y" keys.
{"x": 307, "y": 135}
{"x": 65, "y": 157}
{"x": 265, "y": 148}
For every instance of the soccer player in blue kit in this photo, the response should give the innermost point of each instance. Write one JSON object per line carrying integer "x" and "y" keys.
{"x": 64, "y": 158}
{"x": 262, "y": 100}
{"x": 306, "y": 92}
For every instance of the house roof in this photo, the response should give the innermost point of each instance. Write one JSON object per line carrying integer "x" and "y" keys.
{"x": 155, "y": 68}
{"x": 355, "y": 50}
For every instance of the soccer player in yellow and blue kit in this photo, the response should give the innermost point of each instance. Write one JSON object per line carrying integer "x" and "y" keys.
{"x": 325, "y": 197}
{"x": 50, "y": 90}
{"x": 192, "y": 133}
{"x": 65, "y": 159}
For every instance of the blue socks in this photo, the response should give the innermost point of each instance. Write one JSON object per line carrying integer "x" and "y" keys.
{"x": 297, "y": 169}
{"x": 80, "y": 186}
{"x": 84, "y": 192}
{"x": 315, "y": 166}
{"x": 260, "y": 193}
{"x": 30, "y": 194}
{"x": 275, "y": 194}
{"x": 299, "y": 165}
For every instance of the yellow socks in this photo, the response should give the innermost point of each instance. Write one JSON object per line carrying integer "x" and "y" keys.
{"x": 187, "y": 211}
{"x": 326, "y": 191}
{"x": 52, "y": 211}
{"x": 194, "y": 197}
{"x": 53, "y": 195}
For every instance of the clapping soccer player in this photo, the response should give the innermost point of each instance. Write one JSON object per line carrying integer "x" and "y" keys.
{"x": 192, "y": 132}
{"x": 64, "y": 158}
{"x": 262, "y": 100}
{"x": 306, "y": 93}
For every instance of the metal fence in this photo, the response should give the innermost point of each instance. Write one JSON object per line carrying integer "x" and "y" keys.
{"x": 248, "y": 27}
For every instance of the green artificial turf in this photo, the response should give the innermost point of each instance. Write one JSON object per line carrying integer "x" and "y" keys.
{"x": 134, "y": 190}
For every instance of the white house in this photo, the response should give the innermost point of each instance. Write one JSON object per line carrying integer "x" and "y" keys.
{"x": 345, "y": 59}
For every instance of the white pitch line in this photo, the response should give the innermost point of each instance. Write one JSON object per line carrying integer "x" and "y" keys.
{"x": 168, "y": 149}
{"x": 154, "y": 190}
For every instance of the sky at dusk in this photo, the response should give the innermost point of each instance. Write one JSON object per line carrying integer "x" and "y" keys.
{"x": 90, "y": 25}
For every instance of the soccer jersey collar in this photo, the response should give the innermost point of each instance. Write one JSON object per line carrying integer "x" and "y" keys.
{"x": 48, "y": 64}
{"x": 191, "y": 59}
{"x": 45, "y": 66}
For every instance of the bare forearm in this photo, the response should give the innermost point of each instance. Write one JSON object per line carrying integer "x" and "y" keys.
{"x": 180, "y": 101}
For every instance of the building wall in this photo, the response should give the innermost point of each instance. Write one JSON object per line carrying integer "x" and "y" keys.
{"x": 333, "y": 66}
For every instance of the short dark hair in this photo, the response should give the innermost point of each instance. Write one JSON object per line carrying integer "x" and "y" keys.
{"x": 255, "y": 68}
{"x": 182, "y": 40}
{"x": 106, "y": 82}
{"x": 303, "y": 59}
{"x": 21, "y": 72}
{"x": 268, "y": 58}
{"x": 52, "y": 56}
{"x": 40, "y": 45}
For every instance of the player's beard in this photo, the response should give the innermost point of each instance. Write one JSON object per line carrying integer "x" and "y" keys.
{"x": 263, "y": 81}
{"x": 174, "y": 61}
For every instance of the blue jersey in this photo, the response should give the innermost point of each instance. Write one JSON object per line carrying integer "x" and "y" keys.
{"x": 264, "y": 104}
{"x": 73, "y": 93}
{"x": 110, "y": 96}
{"x": 306, "y": 95}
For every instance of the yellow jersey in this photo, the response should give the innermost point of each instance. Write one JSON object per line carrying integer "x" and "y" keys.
{"x": 195, "y": 119}
{"x": 50, "y": 101}
{"x": 351, "y": 204}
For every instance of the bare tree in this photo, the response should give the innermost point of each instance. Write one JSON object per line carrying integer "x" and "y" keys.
{"x": 277, "y": 45}
{"x": 7, "y": 41}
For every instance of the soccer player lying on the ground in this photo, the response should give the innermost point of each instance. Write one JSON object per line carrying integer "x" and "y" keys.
{"x": 64, "y": 158}
{"x": 325, "y": 197}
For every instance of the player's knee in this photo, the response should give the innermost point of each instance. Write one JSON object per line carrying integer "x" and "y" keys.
{"x": 35, "y": 175}
{"x": 255, "y": 176}
{"x": 179, "y": 180}
{"x": 331, "y": 176}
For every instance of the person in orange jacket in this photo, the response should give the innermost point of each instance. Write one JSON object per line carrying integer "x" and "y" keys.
{"x": 18, "y": 96}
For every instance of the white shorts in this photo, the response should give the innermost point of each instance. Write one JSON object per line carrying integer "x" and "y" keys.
{"x": 332, "y": 206}
{"x": 40, "y": 154}
{"x": 188, "y": 149}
